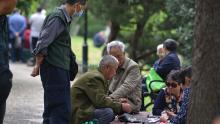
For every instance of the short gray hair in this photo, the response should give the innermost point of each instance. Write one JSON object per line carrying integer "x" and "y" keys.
{"x": 108, "y": 60}
{"x": 116, "y": 43}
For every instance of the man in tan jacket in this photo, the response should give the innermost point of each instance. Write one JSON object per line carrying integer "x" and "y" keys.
{"x": 127, "y": 81}
{"x": 89, "y": 95}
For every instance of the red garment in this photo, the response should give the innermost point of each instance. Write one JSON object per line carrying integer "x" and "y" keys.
{"x": 27, "y": 33}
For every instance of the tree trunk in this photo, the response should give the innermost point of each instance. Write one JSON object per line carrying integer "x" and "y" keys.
{"x": 205, "y": 96}
{"x": 137, "y": 35}
{"x": 115, "y": 28}
{"x": 139, "y": 31}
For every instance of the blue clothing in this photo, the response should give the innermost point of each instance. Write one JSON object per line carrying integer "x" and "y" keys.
{"x": 17, "y": 23}
{"x": 168, "y": 63}
{"x": 104, "y": 115}
{"x": 156, "y": 64}
{"x": 165, "y": 101}
{"x": 180, "y": 118}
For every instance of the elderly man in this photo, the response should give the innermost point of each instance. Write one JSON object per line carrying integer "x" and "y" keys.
{"x": 89, "y": 95}
{"x": 160, "y": 54}
{"x": 170, "y": 60}
{"x": 53, "y": 59}
{"x": 127, "y": 81}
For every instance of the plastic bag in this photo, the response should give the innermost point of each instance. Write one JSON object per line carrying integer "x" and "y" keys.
{"x": 154, "y": 82}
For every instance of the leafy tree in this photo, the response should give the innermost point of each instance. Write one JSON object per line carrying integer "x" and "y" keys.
{"x": 181, "y": 17}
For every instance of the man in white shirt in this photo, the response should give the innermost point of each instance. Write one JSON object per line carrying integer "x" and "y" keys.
{"x": 36, "y": 21}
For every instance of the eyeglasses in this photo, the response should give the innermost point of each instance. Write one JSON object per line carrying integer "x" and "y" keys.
{"x": 172, "y": 85}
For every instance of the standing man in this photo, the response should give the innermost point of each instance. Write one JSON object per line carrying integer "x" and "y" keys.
{"x": 17, "y": 25}
{"x": 127, "y": 81}
{"x": 53, "y": 58}
{"x": 36, "y": 22}
{"x": 5, "y": 74}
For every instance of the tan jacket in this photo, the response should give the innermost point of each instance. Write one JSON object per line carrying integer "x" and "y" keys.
{"x": 127, "y": 84}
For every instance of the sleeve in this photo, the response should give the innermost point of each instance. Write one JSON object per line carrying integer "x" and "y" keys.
{"x": 130, "y": 83}
{"x": 165, "y": 66}
{"x": 96, "y": 93}
{"x": 31, "y": 20}
{"x": 11, "y": 28}
{"x": 48, "y": 34}
{"x": 181, "y": 115}
{"x": 23, "y": 26}
{"x": 159, "y": 103}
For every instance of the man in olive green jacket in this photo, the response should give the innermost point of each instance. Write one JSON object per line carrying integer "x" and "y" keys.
{"x": 89, "y": 95}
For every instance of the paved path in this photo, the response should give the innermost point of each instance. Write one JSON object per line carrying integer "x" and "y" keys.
{"x": 25, "y": 102}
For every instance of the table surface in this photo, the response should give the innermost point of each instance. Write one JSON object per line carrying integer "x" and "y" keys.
{"x": 141, "y": 115}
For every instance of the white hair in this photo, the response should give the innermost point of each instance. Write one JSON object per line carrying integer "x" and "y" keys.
{"x": 159, "y": 46}
{"x": 116, "y": 43}
{"x": 108, "y": 60}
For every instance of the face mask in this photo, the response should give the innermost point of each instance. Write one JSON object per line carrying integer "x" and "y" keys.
{"x": 80, "y": 13}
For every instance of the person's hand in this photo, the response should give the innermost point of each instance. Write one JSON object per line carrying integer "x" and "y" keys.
{"x": 163, "y": 118}
{"x": 16, "y": 34}
{"x": 123, "y": 100}
{"x": 35, "y": 72}
{"x": 171, "y": 114}
{"x": 126, "y": 107}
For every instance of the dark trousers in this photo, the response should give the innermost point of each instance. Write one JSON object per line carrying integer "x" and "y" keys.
{"x": 16, "y": 52}
{"x": 33, "y": 46}
{"x": 34, "y": 42}
{"x": 104, "y": 115}
{"x": 57, "y": 104}
{"x": 5, "y": 88}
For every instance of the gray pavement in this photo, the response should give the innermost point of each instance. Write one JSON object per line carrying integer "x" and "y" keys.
{"x": 25, "y": 102}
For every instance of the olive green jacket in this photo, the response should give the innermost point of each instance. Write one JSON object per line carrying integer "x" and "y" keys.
{"x": 89, "y": 93}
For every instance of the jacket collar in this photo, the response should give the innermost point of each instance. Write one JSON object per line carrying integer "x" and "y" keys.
{"x": 68, "y": 18}
{"x": 124, "y": 66}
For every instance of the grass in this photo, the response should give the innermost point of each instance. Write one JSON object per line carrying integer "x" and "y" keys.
{"x": 94, "y": 53}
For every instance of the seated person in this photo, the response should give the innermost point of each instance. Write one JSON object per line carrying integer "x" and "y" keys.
{"x": 89, "y": 95}
{"x": 180, "y": 117}
{"x": 170, "y": 60}
{"x": 160, "y": 54}
{"x": 127, "y": 81}
{"x": 170, "y": 98}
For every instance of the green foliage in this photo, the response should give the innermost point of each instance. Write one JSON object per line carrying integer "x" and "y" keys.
{"x": 181, "y": 15}
{"x": 165, "y": 19}
{"x": 27, "y": 6}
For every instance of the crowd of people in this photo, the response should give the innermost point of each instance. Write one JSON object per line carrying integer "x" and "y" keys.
{"x": 23, "y": 34}
{"x": 113, "y": 89}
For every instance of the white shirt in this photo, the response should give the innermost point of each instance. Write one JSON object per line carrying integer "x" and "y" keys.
{"x": 36, "y": 21}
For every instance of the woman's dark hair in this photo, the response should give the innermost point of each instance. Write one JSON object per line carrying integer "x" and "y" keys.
{"x": 170, "y": 44}
{"x": 175, "y": 76}
{"x": 186, "y": 72}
